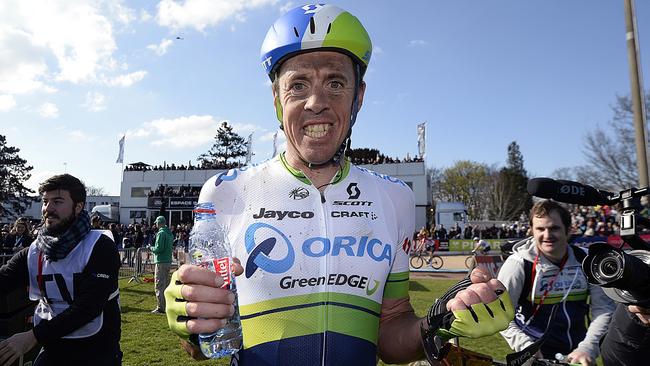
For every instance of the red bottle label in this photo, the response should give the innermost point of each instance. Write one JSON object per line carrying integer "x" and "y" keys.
{"x": 222, "y": 267}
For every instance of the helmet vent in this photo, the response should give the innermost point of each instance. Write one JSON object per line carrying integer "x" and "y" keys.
{"x": 312, "y": 25}
{"x": 296, "y": 32}
{"x": 329, "y": 26}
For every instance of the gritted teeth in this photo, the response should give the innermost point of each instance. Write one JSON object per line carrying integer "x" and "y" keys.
{"x": 316, "y": 131}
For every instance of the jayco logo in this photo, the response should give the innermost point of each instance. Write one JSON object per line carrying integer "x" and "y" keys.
{"x": 315, "y": 247}
{"x": 279, "y": 215}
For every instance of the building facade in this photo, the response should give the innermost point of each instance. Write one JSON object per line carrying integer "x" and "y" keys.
{"x": 145, "y": 193}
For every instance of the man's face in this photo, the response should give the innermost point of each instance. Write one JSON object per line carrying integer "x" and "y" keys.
{"x": 316, "y": 91}
{"x": 20, "y": 229}
{"x": 550, "y": 234}
{"x": 59, "y": 211}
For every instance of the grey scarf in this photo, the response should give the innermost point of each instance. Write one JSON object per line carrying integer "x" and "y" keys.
{"x": 56, "y": 247}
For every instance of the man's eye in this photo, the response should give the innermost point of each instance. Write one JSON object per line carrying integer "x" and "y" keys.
{"x": 298, "y": 87}
{"x": 336, "y": 85}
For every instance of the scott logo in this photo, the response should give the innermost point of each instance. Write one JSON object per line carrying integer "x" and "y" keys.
{"x": 315, "y": 247}
{"x": 353, "y": 191}
{"x": 279, "y": 215}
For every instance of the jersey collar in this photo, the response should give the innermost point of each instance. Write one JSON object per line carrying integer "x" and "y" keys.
{"x": 339, "y": 176}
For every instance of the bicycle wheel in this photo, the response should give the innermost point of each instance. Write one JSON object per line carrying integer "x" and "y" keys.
{"x": 436, "y": 262}
{"x": 417, "y": 262}
{"x": 470, "y": 262}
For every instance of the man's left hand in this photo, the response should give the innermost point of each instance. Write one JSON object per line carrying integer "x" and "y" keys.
{"x": 15, "y": 346}
{"x": 581, "y": 357}
{"x": 642, "y": 313}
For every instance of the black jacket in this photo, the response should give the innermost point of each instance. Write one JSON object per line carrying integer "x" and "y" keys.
{"x": 627, "y": 343}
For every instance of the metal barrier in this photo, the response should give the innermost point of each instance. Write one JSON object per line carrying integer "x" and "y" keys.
{"x": 137, "y": 263}
{"x": 4, "y": 258}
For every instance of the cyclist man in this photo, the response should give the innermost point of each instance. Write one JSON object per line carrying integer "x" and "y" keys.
{"x": 481, "y": 246}
{"x": 326, "y": 270}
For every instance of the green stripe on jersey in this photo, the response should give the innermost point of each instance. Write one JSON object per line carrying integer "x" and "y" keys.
{"x": 554, "y": 299}
{"x": 302, "y": 315}
{"x": 340, "y": 174}
{"x": 397, "y": 285}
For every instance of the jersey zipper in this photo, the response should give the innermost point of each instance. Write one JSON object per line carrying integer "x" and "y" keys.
{"x": 325, "y": 268}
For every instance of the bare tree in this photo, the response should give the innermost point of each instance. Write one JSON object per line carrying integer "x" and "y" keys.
{"x": 95, "y": 191}
{"x": 611, "y": 155}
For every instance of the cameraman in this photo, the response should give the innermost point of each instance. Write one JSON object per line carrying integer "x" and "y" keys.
{"x": 628, "y": 339}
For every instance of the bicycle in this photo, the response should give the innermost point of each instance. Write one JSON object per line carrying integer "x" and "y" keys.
{"x": 470, "y": 262}
{"x": 418, "y": 259}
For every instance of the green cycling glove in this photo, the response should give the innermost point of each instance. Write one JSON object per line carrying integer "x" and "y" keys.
{"x": 175, "y": 308}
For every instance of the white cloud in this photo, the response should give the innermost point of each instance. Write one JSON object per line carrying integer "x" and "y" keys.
{"x": 127, "y": 79}
{"x": 95, "y": 101}
{"x": 80, "y": 136}
{"x": 145, "y": 16}
{"x": 160, "y": 49}
{"x": 377, "y": 50}
{"x": 418, "y": 42}
{"x": 7, "y": 102}
{"x": 200, "y": 14}
{"x": 46, "y": 42}
{"x": 38, "y": 177}
{"x": 178, "y": 132}
{"x": 183, "y": 132}
{"x": 49, "y": 110}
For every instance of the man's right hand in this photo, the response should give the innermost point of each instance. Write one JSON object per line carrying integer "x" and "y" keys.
{"x": 195, "y": 301}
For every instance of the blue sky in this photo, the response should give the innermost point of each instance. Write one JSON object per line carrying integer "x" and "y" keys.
{"x": 76, "y": 75}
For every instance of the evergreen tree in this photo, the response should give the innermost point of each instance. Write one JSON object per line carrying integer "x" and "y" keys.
{"x": 14, "y": 172}
{"x": 509, "y": 197}
{"x": 228, "y": 146}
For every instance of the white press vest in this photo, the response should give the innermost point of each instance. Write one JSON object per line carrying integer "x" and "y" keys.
{"x": 58, "y": 281}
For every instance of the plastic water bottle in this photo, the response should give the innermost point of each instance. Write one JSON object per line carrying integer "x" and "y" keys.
{"x": 209, "y": 248}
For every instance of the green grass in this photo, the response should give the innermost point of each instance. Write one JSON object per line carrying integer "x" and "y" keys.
{"x": 146, "y": 339}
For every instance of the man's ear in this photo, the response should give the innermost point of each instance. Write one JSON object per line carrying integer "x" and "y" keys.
{"x": 278, "y": 107}
{"x": 78, "y": 207}
{"x": 362, "y": 91}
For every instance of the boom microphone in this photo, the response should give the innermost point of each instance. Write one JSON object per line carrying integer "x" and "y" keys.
{"x": 567, "y": 191}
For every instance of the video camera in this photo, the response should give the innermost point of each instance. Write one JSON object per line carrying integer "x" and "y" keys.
{"x": 624, "y": 276}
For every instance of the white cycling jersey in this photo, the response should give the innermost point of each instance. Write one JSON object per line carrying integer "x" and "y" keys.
{"x": 316, "y": 266}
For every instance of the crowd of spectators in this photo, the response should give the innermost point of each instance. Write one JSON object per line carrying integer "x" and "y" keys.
{"x": 138, "y": 235}
{"x": 357, "y": 156}
{"x": 365, "y": 156}
{"x": 203, "y": 166}
{"x": 16, "y": 236}
{"x": 165, "y": 190}
{"x": 585, "y": 221}
{"x": 595, "y": 221}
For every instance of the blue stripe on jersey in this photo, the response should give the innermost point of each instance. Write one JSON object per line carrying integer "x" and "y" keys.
{"x": 339, "y": 350}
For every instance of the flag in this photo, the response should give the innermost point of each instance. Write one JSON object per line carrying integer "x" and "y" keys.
{"x": 120, "y": 155}
{"x": 249, "y": 149}
{"x": 275, "y": 144}
{"x": 422, "y": 137}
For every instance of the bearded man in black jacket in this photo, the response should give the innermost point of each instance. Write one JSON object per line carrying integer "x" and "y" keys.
{"x": 72, "y": 272}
